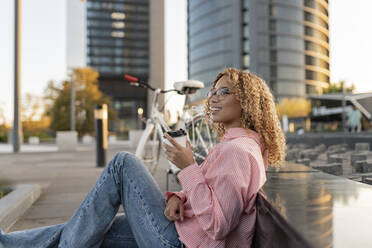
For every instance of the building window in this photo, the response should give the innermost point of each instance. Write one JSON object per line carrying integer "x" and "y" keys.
{"x": 245, "y": 17}
{"x": 310, "y": 75}
{"x": 309, "y": 60}
{"x": 310, "y": 46}
{"x": 309, "y": 31}
{"x": 118, "y": 25}
{"x": 315, "y": 33}
{"x": 117, "y": 16}
{"x": 272, "y": 10}
{"x": 318, "y": 76}
{"x": 272, "y": 26}
{"x": 315, "y": 19}
{"x": 273, "y": 72}
{"x": 273, "y": 56}
{"x": 246, "y": 61}
{"x": 310, "y": 3}
{"x": 246, "y": 46}
{"x": 272, "y": 41}
{"x": 245, "y": 31}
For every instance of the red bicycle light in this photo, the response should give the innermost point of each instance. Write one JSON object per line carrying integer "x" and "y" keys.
{"x": 131, "y": 79}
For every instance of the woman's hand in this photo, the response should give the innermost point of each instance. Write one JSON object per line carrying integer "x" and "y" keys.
{"x": 177, "y": 154}
{"x": 174, "y": 209}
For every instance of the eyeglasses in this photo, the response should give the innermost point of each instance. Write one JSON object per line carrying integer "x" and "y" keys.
{"x": 220, "y": 93}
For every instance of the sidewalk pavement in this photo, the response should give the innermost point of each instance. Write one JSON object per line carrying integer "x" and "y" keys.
{"x": 8, "y": 148}
{"x": 65, "y": 177}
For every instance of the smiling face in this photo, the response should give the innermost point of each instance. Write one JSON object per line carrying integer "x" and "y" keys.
{"x": 225, "y": 108}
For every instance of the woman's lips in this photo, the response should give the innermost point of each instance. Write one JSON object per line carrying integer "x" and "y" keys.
{"x": 215, "y": 109}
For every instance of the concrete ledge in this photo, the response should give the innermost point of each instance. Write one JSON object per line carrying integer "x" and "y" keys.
{"x": 16, "y": 203}
{"x": 67, "y": 141}
{"x": 327, "y": 210}
{"x": 330, "y": 138}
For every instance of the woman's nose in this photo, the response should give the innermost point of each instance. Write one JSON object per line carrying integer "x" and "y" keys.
{"x": 214, "y": 98}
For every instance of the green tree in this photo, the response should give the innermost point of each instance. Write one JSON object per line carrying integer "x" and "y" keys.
{"x": 337, "y": 87}
{"x": 87, "y": 95}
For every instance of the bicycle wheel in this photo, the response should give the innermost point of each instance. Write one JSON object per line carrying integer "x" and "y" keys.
{"x": 149, "y": 147}
{"x": 201, "y": 136}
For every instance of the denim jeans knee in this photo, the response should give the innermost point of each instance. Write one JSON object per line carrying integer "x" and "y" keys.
{"x": 126, "y": 159}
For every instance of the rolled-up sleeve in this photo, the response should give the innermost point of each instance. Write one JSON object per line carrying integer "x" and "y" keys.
{"x": 217, "y": 196}
{"x": 179, "y": 194}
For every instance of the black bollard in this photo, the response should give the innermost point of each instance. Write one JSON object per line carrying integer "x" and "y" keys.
{"x": 100, "y": 115}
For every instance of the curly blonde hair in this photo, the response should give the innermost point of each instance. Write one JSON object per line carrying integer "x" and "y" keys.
{"x": 258, "y": 112}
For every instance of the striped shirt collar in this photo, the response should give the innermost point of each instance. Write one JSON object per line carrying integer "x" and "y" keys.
{"x": 236, "y": 132}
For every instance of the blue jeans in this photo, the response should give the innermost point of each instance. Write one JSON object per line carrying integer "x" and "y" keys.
{"x": 126, "y": 181}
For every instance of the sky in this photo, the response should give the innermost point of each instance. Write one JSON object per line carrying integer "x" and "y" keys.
{"x": 350, "y": 42}
{"x": 44, "y": 45}
{"x": 42, "y": 48}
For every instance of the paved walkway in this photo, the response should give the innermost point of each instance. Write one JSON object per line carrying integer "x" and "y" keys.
{"x": 8, "y": 148}
{"x": 65, "y": 179}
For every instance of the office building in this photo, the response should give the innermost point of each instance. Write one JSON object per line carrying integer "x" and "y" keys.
{"x": 286, "y": 42}
{"x": 118, "y": 43}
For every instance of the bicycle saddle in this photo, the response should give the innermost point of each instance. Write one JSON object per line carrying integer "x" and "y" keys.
{"x": 189, "y": 86}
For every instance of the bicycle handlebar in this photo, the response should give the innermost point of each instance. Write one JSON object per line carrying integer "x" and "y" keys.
{"x": 138, "y": 83}
{"x": 131, "y": 78}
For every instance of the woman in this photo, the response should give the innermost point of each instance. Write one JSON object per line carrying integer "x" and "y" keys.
{"x": 216, "y": 206}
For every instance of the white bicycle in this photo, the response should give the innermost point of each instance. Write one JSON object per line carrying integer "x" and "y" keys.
{"x": 193, "y": 121}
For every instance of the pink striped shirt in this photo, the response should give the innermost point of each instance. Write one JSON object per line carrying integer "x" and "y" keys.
{"x": 219, "y": 195}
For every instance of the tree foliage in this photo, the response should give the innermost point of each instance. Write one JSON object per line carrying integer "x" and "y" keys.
{"x": 3, "y": 127}
{"x": 32, "y": 108}
{"x": 34, "y": 119}
{"x": 294, "y": 107}
{"x": 337, "y": 87}
{"x": 87, "y": 96}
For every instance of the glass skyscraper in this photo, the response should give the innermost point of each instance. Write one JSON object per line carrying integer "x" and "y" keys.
{"x": 286, "y": 42}
{"x": 118, "y": 44}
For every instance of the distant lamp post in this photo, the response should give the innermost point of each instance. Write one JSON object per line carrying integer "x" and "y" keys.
{"x": 17, "y": 124}
{"x": 72, "y": 102}
{"x": 140, "y": 113}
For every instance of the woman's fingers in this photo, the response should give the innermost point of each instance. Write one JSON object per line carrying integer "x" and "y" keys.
{"x": 168, "y": 214}
{"x": 174, "y": 211}
{"x": 173, "y": 141}
{"x": 170, "y": 155}
{"x": 179, "y": 156}
{"x": 168, "y": 147}
{"x": 173, "y": 214}
{"x": 188, "y": 145}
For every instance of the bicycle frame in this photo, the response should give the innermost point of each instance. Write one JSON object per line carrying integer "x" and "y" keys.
{"x": 156, "y": 121}
{"x": 156, "y": 126}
